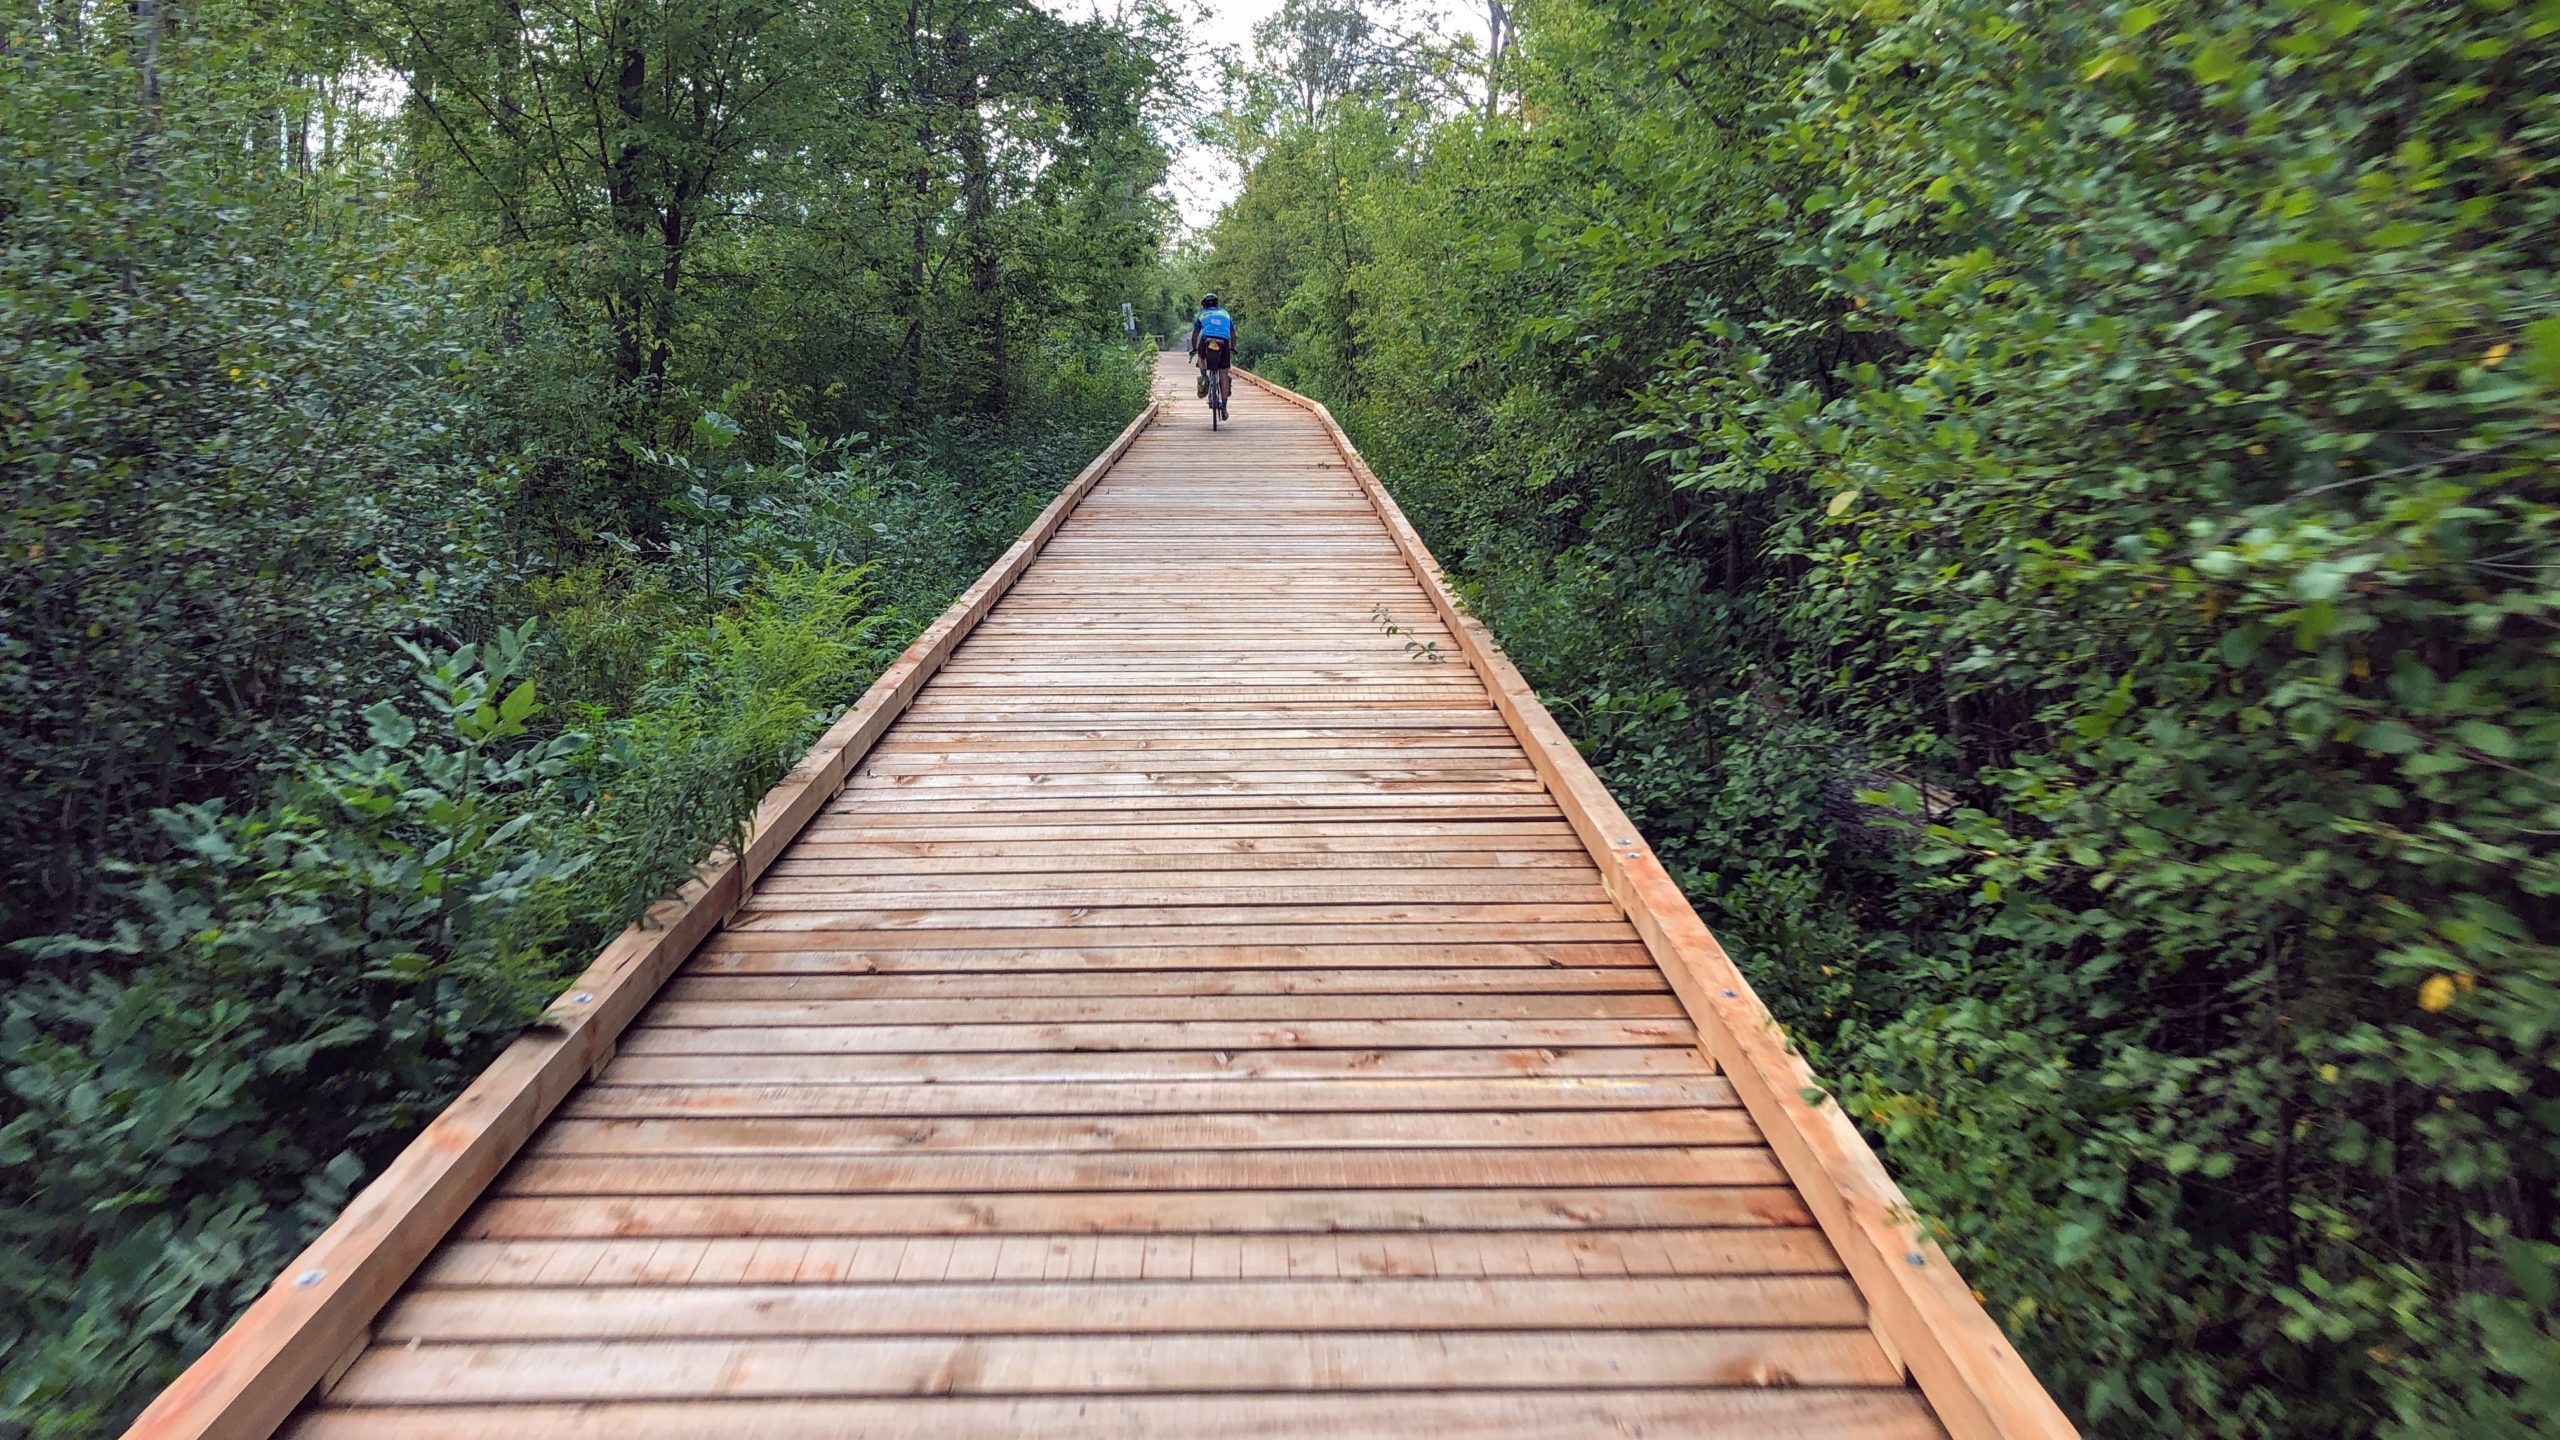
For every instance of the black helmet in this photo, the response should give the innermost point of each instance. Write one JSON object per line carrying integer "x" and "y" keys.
{"x": 1208, "y": 302}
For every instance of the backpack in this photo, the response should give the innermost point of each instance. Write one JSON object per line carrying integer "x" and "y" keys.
{"x": 1217, "y": 325}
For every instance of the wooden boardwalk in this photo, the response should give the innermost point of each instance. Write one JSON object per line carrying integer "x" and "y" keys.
{"x": 1195, "y": 1015}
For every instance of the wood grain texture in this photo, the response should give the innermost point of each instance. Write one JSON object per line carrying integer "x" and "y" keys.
{"x": 251, "y": 1379}
{"x": 1493, "y": 1415}
{"x": 1924, "y": 1312}
{"x": 1195, "y": 1011}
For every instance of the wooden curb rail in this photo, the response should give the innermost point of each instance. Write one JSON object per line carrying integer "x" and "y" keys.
{"x": 315, "y": 1318}
{"x": 1923, "y": 1312}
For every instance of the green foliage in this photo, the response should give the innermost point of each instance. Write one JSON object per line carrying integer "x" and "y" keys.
{"x": 314, "y": 378}
{"x": 2045, "y": 513}
{"x": 225, "y": 460}
{"x": 726, "y": 708}
{"x": 343, "y": 954}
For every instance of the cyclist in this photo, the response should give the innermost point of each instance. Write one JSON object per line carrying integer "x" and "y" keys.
{"x": 1213, "y": 348}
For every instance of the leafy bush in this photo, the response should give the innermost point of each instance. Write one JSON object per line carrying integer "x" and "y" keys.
{"x": 343, "y": 955}
{"x": 227, "y": 474}
{"x": 728, "y": 706}
{"x": 302, "y": 984}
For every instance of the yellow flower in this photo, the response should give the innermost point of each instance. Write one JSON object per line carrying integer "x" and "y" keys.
{"x": 2437, "y": 993}
{"x": 2490, "y": 357}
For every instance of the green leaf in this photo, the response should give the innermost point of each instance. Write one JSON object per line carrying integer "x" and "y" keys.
{"x": 517, "y": 705}
{"x": 389, "y": 728}
{"x": 2389, "y": 737}
{"x": 2541, "y": 353}
{"x": 2320, "y": 581}
{"x": 2488, "y": 738}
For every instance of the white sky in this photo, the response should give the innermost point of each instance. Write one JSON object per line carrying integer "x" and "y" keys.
{"x": 1202, "y": 180}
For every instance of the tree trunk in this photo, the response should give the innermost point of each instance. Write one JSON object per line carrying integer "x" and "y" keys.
{"x": 149, "y": 19}
{"x": 977, "y": 200}
{"x": 631, "y": 217}
{"x": 628, "y": 301}
{"x": 920, "y": 236}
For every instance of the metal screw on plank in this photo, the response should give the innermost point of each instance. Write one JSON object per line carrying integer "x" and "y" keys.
{"x": 582, "y": 998}
{"x": 1916, "y": 1258}
{"x": 309, "y": 1278}
{"x": 1732, "y": 995}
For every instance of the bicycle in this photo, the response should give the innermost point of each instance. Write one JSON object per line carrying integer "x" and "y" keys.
{"x": 1220, "y": 389}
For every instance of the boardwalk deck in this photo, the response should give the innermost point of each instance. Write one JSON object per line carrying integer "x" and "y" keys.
{"x": 1202, "y": 1012}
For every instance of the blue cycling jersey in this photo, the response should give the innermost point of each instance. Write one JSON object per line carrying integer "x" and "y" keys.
{"x": 1217, "y": 325}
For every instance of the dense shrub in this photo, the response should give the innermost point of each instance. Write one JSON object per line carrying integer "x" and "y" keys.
{"x": 226, "y": 458}
{"x": 2045, "y": 512}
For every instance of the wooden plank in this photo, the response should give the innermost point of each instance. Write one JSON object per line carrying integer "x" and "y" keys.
{"x": 1153, "y": 1035}
{"x": 835, "y": 932}
{"x": 1924, "y": 1312}
{"x": 1460, "y": 1254}
{"x": 827, "y": 893}
{"x": 1127, "y": 1133}
{"x": 1562, "y": 1414}
{"x": 794, "y": 955}
{"x": 699, "y": 984}
{"x": 1174, "y": 837}
{"x": 485, "y": 1314}
{"x": 253, "y": 1376}
{"x": 1091, "y": 1066}
{"x": 1552, "y": 919}
{"x": 696, "y": 1011}
{"x": 599, "y": 1371}
{"x": 703, "y": 983}
{"x": 982, "y": 1174}
{"x": 1306, "y": 1212}
{"x": 1242, "y": 1095}
{"x": 935, "y": 874}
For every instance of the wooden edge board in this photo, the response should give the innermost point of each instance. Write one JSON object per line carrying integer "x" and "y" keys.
{"x": 282, "y": 1347}
{"x": 1924, "y": 1313}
